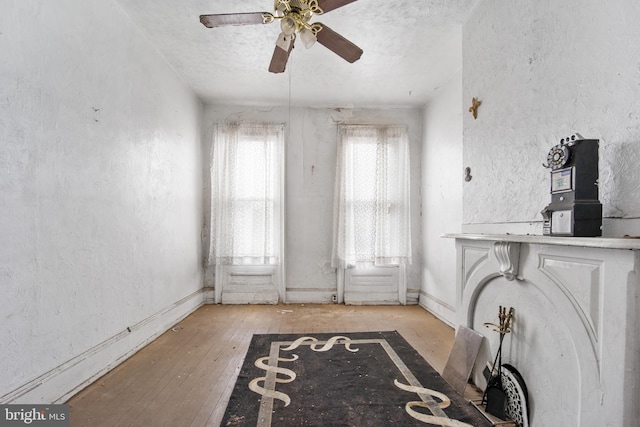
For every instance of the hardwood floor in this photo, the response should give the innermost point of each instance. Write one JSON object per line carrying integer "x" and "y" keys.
{"x": 185, "y": 377}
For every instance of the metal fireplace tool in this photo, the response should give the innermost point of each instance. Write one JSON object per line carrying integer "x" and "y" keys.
{"x": 505, "y": 399}
{"x": 494, "y": 395}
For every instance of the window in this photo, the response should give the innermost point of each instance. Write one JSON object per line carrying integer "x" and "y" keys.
{"x": 371, "y": 203}
{"x": 246, "y": 186}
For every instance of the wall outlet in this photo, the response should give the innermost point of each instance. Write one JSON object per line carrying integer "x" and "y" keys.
{"x": 334, "y": 298}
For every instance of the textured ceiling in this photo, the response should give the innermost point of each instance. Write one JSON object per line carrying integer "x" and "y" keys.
{"x": 410, "y": 47}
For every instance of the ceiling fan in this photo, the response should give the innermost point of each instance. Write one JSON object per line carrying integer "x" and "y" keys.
{"x": 295, "y": 17}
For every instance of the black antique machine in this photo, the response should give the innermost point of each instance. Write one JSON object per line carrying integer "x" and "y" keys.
{"x": 574, "y": 209}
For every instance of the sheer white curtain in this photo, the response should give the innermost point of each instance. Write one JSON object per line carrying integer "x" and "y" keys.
{"x": 245, "y": 194}
{"x": 371, "y": 221}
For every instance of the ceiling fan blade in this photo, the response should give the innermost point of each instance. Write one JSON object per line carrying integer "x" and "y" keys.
{"x": 280, "y": 58}
{"x": 338, "y": 44}
{"x": 329, "y": 5}
{"x": 226, "y": 19}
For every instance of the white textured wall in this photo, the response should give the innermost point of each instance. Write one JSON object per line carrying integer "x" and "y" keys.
{"x": 100, "y": 194}
{"x": 441, "y": 197}
{"x": 544, "y": 70}
{"x": 310, "y": 175}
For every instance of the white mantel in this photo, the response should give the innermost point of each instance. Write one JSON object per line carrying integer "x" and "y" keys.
{"x": 584, "y": 242}
{"x": 575, "y": 334}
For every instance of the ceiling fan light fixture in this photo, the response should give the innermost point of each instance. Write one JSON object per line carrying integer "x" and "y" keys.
{"x": 295, "y": 17}
{"x": 288, "y": 25}
{"x": 308, "y": 37}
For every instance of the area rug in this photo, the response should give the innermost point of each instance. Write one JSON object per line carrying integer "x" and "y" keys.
{"x": 342, "y": 379}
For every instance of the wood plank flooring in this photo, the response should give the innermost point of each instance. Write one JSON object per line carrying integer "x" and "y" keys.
{"x": 185, "y": 377}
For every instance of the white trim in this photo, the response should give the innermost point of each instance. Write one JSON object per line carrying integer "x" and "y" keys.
{"x": 60, "y": 383}
{"x": 341, "y": 272}
{"x": 209, "y": 296}
{"x": 282, "y": 276}
{"x": 218, "y": 283}
{"x": 310, "y": 296}
{"x": 584, "y": 242}
{"x": 402, "y": 284}
{"x": 353, "y": 290}
{"x": 438, "y": 308}
{"x": 248, "y": 284}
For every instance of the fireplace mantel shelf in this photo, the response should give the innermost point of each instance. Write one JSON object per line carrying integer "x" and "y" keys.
{"x": 585, "y": 242}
